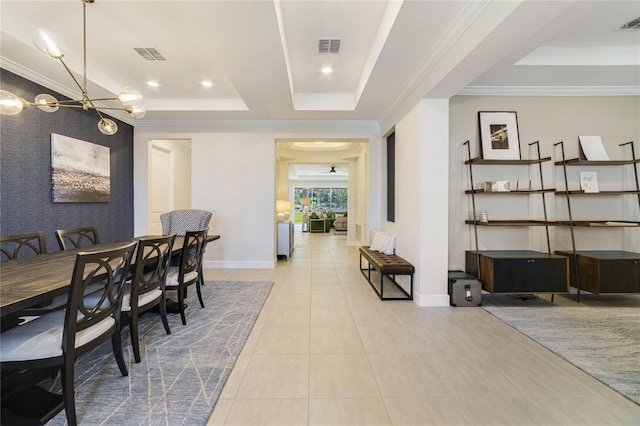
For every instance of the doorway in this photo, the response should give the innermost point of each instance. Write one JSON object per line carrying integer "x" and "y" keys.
{"x": 169, "y": 179}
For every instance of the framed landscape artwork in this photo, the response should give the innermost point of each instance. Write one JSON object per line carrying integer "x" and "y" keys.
{"x": 499, "y": 139}
{"x": 80, "y": 171}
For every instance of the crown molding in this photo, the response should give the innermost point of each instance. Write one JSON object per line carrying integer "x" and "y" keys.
{"x": 367, "y": 126}
{"x": 550, "y": 91}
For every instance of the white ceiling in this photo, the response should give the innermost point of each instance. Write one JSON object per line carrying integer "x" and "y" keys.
{"x": 262, "y": 56}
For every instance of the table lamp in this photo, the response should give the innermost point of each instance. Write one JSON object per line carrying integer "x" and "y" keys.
{"x": 282, "y": 206}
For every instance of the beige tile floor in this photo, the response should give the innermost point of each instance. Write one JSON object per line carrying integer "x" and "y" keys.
{"x": 326, "y": 351}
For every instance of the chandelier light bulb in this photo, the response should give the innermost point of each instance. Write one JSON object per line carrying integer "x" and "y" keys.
{"x": 107, "y": 126}
{"x": 130, "y": 97}
{"x": 46, "y": 102}
{"x": 137, "y": 111}
{"x": 49, "y": 43}
{"x": 10, "y": 104}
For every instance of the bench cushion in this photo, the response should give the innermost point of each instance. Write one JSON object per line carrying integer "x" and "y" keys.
{"x": 387, "y": 263}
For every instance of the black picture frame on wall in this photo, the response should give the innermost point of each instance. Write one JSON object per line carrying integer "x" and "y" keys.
{"x": 499, "y": 137}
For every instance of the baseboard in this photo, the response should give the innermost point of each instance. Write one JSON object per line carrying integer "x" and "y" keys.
{"x": 217, "y": 264}
{"x": 432, "y": 300}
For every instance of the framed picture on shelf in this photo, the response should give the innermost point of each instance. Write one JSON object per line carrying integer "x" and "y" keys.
{"x": 499, "y": 139}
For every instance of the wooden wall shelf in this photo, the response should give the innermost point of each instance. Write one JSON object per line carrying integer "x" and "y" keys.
{"x": 478, "y": 160}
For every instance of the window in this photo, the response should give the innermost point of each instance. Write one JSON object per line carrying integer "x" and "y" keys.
{"x": 322, "y": 199}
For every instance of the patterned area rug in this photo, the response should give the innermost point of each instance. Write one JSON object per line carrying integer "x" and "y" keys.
{"x": 604, "y": 342}
{"x": 182, "y": 374}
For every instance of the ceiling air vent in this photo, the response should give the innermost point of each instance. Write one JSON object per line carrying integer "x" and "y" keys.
{"x": 150, "y": 53}
{"x": 632, "y": 25}
{"x": 326, "y": 45}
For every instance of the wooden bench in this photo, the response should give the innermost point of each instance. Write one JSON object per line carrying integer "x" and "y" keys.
{"x": 387, "y": 265}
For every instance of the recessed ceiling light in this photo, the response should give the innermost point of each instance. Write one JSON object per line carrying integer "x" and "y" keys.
{"x": 326, "y": 70}
{"x": 153, "y": 83}
{"x": 206, "y": 83}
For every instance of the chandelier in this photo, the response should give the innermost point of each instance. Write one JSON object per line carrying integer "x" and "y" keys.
{"x": 129, "y": 100}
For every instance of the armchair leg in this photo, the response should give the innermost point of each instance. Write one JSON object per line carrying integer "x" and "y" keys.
{"x": 163, "y": 314}
{"x": 181, "y": 296}
{"x": 133, "y": 331}
{"x": 68, "y": 390}
{"x": 199, "y": 293}
{"x": 116, "y": 343}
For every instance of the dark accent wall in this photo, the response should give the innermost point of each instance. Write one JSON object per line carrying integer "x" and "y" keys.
{"x": 25, "y": 170}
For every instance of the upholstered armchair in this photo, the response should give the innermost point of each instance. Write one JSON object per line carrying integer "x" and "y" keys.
{"x": 180, "y": 221}
{"x": 341, "y": 223}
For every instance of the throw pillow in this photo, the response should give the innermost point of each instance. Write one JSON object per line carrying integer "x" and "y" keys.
{"x": 313, "y": 215}
{"x": 378, "y": 240}
{"x": 389, "y": 246}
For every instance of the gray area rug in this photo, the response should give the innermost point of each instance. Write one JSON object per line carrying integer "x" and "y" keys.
{"x": 602, "y": 341}
{"x": 182, "y": 374}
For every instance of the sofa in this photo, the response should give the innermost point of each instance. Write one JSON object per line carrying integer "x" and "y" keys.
{"x": 324, "y": 221}
{"x": 340, "y": 224}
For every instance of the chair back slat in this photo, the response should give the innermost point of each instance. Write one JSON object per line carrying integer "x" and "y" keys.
{"x": 109, "y": 269}
{"x": 152, "y": 264}
{"x": 192, "y": 251}
{"x": 22, "y": 245}
{"x": 78, "y": 237}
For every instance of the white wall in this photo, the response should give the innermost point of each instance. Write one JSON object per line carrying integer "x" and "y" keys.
{"x": 234, "y": 176}
{"x": 421, "y": 197}
{"x": 547, "y": 120}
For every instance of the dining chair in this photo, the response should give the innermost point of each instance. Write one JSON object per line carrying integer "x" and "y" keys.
{"x": 22, "y": 245}
{"x": 189, "y": 271}
{"x": 57, "y": 339}
{"x": 180, "y": 221}
{"x": 147, "y": 289}
{"x": 78, "y": 237}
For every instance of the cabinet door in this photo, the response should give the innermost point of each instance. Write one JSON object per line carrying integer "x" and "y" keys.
{"x": 510, "y": 275}
{"x": 619, "y": 276}
{"x": 548, "y": 275}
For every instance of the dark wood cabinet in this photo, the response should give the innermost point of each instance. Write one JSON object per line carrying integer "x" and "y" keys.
{"x": 605, "y": 271}
{"x": 519, "y": 271}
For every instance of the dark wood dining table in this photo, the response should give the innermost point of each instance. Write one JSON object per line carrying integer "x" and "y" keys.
{"x": 27, "y": 282}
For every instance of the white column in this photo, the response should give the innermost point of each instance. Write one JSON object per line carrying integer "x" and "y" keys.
{"x": 434, "y": 202}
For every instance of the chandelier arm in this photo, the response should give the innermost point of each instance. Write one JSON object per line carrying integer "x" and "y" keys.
{"x": 110, "y": 108}
{"x": 82, "y": 89}
{"x": 104, "y": 99}
{"x": 69, "y": 102}
{"x": 67, "y": 106}
{"x": 99, "y": 113}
